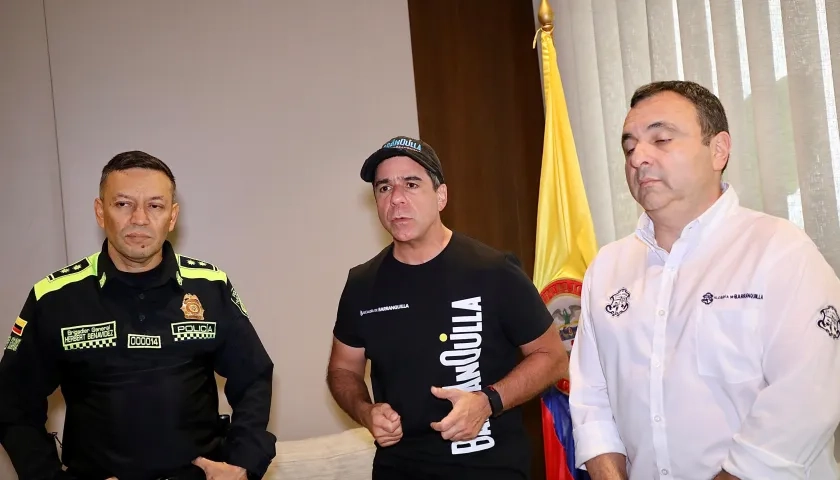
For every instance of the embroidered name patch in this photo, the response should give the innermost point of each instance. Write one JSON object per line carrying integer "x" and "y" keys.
{"x": 830, "y": 322}
{"x": 182, "y": 331}
{"x": 99, "y": 335}
{"x": 143, "y": 341}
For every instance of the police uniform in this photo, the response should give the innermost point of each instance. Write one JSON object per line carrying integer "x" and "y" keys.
{"x": 135, "y": 357}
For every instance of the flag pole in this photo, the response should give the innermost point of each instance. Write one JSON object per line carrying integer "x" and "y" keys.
{"x": 565, "y": 246}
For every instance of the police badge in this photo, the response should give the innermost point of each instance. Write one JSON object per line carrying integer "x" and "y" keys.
{"x": 192, "y": 307}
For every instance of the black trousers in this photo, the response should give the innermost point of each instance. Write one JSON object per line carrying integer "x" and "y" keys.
{"x": 432, "y": 472}
{"x": 188, "y": 472}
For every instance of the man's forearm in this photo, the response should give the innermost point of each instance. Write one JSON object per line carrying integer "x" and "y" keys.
{"x": 31, "y": 450}
{"x": 249, "y": 444}
{"x": 609, "y": 466}
{"x": 530, "y": 377}
{"x": 350, "y": 392}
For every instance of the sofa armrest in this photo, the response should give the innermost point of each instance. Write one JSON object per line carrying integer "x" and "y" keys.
{"x": 346, "y": 456}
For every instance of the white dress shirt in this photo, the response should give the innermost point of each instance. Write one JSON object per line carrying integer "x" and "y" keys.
{"x": 723, "y": 353}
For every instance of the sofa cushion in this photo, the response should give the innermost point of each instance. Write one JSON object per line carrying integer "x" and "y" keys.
{"x": 347, "y": 456}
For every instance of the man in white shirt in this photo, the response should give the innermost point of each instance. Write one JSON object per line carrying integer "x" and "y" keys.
{"x": 708, "y": 345}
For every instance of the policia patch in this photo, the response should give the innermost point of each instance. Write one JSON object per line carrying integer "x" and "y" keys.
{"x": 99, "y": 335}
{"x": 193, "y": 331}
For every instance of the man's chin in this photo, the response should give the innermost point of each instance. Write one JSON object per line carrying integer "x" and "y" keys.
{"x": 403, "y": 235}
{"x": 139, "y": 251}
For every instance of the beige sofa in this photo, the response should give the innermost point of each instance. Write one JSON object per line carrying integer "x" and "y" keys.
{"x": 347, "y": 456}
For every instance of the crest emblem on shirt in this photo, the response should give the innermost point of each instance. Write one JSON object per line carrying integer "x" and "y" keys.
{"x": 830, "y": 321}
{"x": 618, "y": 302}
{"x": 234, "y": 297}
{"x": 192, "y": 307}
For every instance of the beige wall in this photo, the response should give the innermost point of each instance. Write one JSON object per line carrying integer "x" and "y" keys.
{"x": 264, "y": 113}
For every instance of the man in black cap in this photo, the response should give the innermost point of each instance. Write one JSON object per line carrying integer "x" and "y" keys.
{"x": 442, "y": 317}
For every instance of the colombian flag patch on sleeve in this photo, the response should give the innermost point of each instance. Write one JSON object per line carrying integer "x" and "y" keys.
{"x": 18, "y": 327}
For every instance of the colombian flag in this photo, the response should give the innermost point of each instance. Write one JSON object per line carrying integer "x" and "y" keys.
{"x": 564, "y": 249}
{"x": 18, "y": 327}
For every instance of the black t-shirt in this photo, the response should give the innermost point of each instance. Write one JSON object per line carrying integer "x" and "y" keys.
{"x": 456, "y": 320}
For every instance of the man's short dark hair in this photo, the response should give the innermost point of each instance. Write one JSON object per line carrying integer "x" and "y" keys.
{"x": 135, "y": 159}
{"x": 710, "y": 112}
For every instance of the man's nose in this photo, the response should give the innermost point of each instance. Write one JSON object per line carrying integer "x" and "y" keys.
{"x": 397, "y": 195}
{"x": 139, "y": 216}
{"x": 641, "y": 155}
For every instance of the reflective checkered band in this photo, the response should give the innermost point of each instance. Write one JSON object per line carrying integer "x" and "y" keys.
{"x": 102, "y": 343}
{"x": 194, "y": 336}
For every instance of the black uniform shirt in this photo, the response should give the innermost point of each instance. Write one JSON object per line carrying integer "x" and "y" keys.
{"x": 135, "y": 356}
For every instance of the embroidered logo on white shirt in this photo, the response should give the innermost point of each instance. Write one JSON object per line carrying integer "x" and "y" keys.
{"x": 618, "y": 302}
{"x": 708, "y": 298}
{"x": 830, "y": 322}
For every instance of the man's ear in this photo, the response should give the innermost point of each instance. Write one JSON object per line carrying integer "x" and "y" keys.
{"x": 173, "y": 219}
{"x": 442, "y": 197}
{"x": 99, "y": 211}
{"x": 721, "y": 148}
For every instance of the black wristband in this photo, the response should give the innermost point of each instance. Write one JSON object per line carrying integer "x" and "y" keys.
{"x": 496, "y": 406}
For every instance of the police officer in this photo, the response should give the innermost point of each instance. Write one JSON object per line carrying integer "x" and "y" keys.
{"x": 133, "y": 335}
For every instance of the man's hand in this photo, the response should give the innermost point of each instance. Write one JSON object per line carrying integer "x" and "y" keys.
{"x": 220, "y": 470}
{"x": 723, "y": 475}
{"x": 384, "y": 424}
{"x": 469, "y": 412}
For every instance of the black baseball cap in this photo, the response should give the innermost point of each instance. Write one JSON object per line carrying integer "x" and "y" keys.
{"x": 417, "y": 150}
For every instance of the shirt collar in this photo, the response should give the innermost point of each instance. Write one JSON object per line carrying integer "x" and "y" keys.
{"x": 169, "y": 271}
{"x": 701, "y": 225}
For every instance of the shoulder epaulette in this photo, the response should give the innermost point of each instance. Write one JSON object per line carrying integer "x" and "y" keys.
{"x": 67, "y": 275}
{"x": 195, "y": 268}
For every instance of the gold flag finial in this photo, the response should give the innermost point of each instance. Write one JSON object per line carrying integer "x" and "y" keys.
{"x": 546, "y": 15}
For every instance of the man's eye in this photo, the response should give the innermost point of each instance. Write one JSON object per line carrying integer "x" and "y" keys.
{"x": 663, "y": 140}
{"x": 384, "y": 188}
{"x": 411, "y": 185}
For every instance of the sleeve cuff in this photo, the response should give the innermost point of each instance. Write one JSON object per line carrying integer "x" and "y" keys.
{"x": 596, "y": 438}
{"x": 255, "y": 465}
{"x": 747, "y": 461}
{"x": 253, "y": 458}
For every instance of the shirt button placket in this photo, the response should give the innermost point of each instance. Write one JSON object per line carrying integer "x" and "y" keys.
{"x": 660, "y": 439}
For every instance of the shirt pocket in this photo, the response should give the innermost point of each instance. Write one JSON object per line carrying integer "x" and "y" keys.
{"x": 728, "y": 344}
